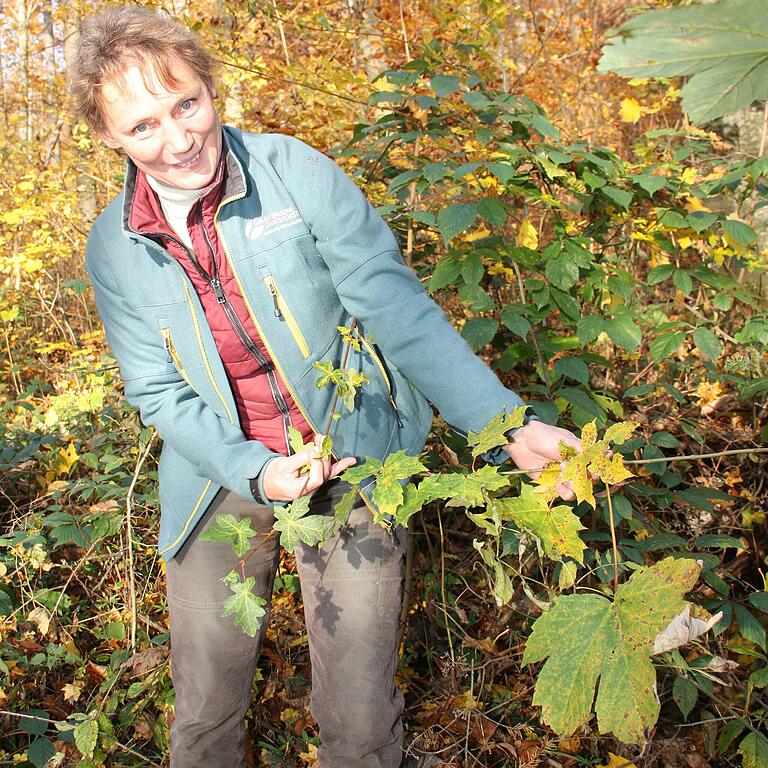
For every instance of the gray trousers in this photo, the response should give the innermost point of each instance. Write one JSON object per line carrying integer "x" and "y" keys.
{"x": 351, "y": 590}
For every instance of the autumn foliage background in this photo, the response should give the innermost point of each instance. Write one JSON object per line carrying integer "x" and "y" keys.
{"x": 618, "y": 284}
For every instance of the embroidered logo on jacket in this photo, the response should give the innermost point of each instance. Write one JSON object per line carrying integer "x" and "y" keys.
{"x": 272, "y": 222}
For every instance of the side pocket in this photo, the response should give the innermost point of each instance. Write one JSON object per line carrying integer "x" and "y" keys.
{"x": 170, "y": 348}
{"x": 283, "y": 312}
{"x": 382, "y": 370}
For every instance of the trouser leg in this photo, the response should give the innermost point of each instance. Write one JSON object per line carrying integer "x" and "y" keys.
{"x": 212, "y": 660}
{"x": 351, "y": 590}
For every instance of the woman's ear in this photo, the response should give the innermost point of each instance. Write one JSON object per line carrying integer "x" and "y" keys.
{"x": 109, "y": 139}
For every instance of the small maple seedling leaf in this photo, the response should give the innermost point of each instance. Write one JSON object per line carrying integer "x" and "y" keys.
{"x": 494, "y": 433}
{"x": 557, "y": 528}
{"x": 229, "y": 529}
{"x": 586, "y": 636}
{"x": 295, "y": 525}
{"x": 248, "y": 609}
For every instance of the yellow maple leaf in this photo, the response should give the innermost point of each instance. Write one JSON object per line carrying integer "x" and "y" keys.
{"x": 615, "y": 761}
{"x": 72, "y": 691}
{"x": 688, "y": 176}
{"x": 631, "y": 111}
{"x": 527, "y": 236}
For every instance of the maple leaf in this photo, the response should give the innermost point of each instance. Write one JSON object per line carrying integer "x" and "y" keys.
{"x": 585, "y": 637}
{"x": 229, "y": 529}
{"x": 388, "y": 493}
{"x": 413, "y": 501}
{"x": 557, "y": 528}
{"x": 355, "y": 475}
{"x": 295, "y": 525}
{"x": 344, "y": 506}
{"x": 467, "y": 489}
{"x": 493, "y": 434}
{"x": 72, "y": 691}
{"x": 248, "y": 609}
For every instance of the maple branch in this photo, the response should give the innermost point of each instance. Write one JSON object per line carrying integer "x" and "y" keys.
{"x": 687, "y": 457}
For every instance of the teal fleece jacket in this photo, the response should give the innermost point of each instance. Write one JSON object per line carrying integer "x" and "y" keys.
{"x": 297, "y": 231}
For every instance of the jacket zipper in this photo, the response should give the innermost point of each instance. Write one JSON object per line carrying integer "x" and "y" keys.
{"x": 282, "y": 311}
{"x": 266, "y": 365}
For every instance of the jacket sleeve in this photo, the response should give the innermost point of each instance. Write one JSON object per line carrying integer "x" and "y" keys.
{"x": 217, "y": 448}
{"x": 375, "y": 285}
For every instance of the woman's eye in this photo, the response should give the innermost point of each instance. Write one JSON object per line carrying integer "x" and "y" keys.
{"x": 141, "y": 128}
{"x": 186, "y": 104}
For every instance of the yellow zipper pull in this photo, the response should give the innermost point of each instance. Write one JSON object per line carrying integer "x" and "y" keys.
{"x": 273, "y": 291}
{"x": 167, "y": 343}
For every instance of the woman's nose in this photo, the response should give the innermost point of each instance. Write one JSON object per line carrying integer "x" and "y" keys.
{"x": 177, "y": 139}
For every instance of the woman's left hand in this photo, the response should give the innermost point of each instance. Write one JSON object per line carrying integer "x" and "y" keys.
{"x": 537, "y": 444}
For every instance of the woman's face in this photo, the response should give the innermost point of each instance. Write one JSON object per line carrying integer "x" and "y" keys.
{"x": 172, "y": 135}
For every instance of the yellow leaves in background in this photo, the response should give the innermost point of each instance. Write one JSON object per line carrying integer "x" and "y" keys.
{"x": 615, "y": 761}
{"x": 527, "y": 236}
{"x": 65, "y": 459}
{"x": 631, "y": 111}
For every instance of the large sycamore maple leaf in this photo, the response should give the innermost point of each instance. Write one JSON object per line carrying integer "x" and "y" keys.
{"x": 586, "y": 637}
{"x": 557, "y": 528}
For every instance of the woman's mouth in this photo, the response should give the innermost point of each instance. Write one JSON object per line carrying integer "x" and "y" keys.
{"x": 191, "y": 161}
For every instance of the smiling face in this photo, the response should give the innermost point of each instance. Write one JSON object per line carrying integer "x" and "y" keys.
{"x": 171, "y": 132}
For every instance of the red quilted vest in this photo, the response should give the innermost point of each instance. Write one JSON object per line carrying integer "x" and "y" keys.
{"x": 260, "y": 418}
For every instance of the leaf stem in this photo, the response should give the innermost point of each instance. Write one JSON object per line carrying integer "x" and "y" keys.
{"x": 614, "y": 543}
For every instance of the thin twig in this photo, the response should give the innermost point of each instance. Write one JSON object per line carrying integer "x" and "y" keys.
{"x": 129, "y": 536}
{"x": 442, "y": 585}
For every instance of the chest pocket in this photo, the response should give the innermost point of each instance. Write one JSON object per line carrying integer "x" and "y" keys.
{"x": 283, "y": 312}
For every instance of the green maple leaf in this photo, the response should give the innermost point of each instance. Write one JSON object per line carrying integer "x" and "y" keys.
{"x": 574, "y": 634}
{"x": 413, "y": 501}
{"x": 584, "y": 637}
{"x": 754, "y": 751}
{"x": 652, "y": 598}
{"x": 388, "y": 494}
{"x": 344, "y": 506}
{"x": 626, "y": 702}
{"x": 295, "y": 525}
{"x": 236, "y": 532}
{"x": 493, "y": 434}
{"x": 401, "y": 465}
{"x": 468, "y": 489}
{"x": 557, "y": 528}
{"x": 248, "y": 609}
{"x": 355, "y": 475}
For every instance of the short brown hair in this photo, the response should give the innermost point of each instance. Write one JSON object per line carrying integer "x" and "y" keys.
{"x": 122, "y": 36}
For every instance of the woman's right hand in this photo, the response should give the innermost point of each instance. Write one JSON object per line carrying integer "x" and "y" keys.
{"x": 284, "y": 481}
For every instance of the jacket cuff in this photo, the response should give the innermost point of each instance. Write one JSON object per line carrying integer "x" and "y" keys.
{"x": 257, "y": 487}
{"x": 499, "y": 455}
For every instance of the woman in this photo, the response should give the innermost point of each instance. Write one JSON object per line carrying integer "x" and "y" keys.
{"x": 222, "y": 273}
